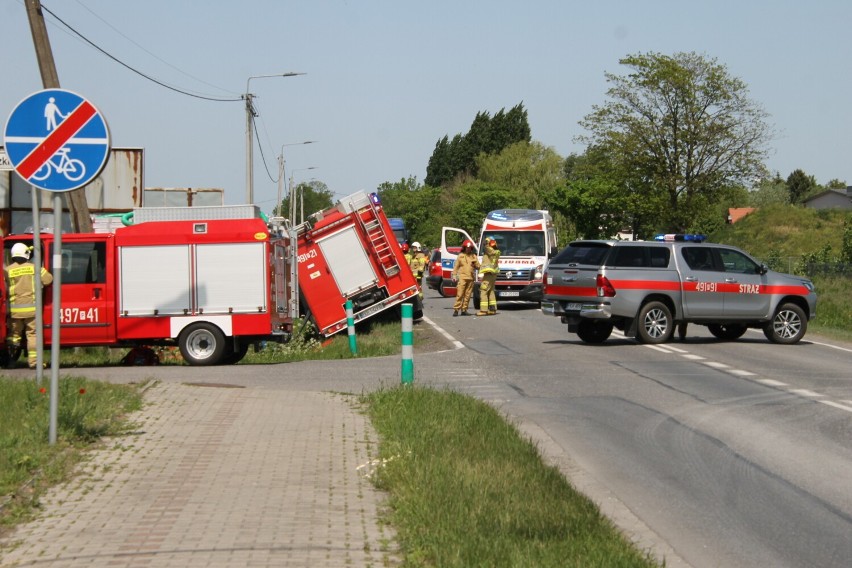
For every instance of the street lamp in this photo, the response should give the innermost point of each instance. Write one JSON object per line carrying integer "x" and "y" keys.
{"x": 250, "y": 115}
{"x": 281, "y": 173}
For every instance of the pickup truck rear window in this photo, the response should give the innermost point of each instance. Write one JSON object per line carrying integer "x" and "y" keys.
{"x": 582, "y": 253}
{"x": 629, "y": 256}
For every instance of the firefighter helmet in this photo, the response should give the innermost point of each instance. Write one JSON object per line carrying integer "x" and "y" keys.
{"x": 404, "y": 247}
{"x": 467, "y": 243}
{"x": 415, "y": 244}
{"x": 20, "y": 250}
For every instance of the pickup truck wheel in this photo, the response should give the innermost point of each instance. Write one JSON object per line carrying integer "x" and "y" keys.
{"x": 788, "y": 325}
{"x": 592, "y": 331}
{"x": 727, "y": 332}
{"x": 655, "y": 323}
{"x": 202, "y": 344}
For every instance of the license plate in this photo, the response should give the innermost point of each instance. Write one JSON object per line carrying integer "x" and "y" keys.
{"x": 573, "y": 307}
{"x": 509, "y": 294}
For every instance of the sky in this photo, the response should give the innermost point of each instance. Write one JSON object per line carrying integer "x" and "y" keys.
{"x": 384, "y": 80}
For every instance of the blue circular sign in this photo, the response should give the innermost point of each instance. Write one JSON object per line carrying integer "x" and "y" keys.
{"x": 57, "y": 140}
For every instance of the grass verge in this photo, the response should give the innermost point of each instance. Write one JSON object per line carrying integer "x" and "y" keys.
{"x": 465, "y": 489}
{"x": 87, "y": 412}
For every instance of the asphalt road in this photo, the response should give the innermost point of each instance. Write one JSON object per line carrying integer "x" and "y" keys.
{"x": 705, "y": 453}
{"x": 710, "y": 453}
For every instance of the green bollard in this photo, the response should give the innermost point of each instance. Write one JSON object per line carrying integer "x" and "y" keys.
{"x": 350, "y": 322}
{"x": 407, "y": 344}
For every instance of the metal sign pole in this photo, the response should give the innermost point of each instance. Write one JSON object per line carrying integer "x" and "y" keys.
{"x": 39, "y": 294}
{"x": 56, "y": 265}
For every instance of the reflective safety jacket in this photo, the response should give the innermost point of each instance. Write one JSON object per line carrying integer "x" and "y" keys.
{"x": 465, "y": 266}
{"x": 20, "y": 281}
{"x": 490, "y": 260}
{"x": 418, "y": 263}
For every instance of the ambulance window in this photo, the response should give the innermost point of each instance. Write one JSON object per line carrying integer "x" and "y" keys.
{"x": 83, "y": 263}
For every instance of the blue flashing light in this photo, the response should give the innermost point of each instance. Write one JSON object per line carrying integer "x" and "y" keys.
{"x": 374, "y": 197}
{"x": 672, "y": 237}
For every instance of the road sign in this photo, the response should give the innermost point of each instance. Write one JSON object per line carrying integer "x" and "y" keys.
{"x": 57, "y": 140}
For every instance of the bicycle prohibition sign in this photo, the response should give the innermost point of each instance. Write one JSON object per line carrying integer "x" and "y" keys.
{"x": 49, "y": 127}
{"x": 72, "y": 168}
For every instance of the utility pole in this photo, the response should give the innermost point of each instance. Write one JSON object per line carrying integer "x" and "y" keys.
{"x": 81, "y": 222}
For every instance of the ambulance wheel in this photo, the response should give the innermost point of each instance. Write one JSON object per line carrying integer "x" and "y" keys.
{"x": 788, "y": 325}
{"x": 655, "y": 323}
{"x": 202, "y": 344}
{"x": 591, "y": 331}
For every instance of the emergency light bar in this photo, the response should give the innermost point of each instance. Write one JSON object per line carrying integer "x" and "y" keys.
{"x": 681, "y": 237}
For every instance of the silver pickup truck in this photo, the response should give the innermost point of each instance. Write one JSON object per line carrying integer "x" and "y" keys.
{"x": 646, "y": 288}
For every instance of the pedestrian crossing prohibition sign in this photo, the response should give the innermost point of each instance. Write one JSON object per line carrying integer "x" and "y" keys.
{"x": 57, "y": 140}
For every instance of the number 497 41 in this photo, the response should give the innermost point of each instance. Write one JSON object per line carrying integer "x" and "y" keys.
{"x": 79, "y": 315}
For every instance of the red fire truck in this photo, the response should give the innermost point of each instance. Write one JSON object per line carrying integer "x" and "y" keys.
{"x": 214, "y": 280}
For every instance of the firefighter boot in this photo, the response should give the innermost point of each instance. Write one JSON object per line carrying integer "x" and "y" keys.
{"x": 455, "y": 313}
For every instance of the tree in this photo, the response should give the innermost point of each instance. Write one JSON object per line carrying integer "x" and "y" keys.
{"x": 532, "y": 170}
{"x": 769, "y": 191}
{"x": 311, "y": 196}
{"x": 799, "y": 186}
{"x": 487, "y": 135}
{"x": 681, "y": 132}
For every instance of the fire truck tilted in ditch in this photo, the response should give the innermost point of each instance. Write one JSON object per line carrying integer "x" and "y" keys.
{"x": 215, "y": 280}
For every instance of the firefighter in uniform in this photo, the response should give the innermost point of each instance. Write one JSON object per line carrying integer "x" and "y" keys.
{"x": 464, "y": 273}
{"x": 489, "y": 270}
{"x": 407, "y": 253}
{"x": 20, "y": 282}
{"x": 418, "y": 264}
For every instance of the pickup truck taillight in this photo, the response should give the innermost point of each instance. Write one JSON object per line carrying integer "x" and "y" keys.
{"x": 605, "y": 289}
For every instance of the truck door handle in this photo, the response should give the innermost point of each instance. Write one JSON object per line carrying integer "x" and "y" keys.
{"x": 730, "y": 279}
{"x": 96, "y": 293}
{"x": 690, "y": 278}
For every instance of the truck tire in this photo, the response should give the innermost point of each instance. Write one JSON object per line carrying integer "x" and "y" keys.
{"x": 202, "y": 343}
{"x": 727, "y": 331}
{"x": 788, "y": 325}
{"x": 592, "y": 331}
{"x": 655, "y": 323}
{"x": 234, "y": 355}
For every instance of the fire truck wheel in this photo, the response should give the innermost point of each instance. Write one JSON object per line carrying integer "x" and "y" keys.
{"x": 202, "y": 344}
{"x": 235, "y": 355}
{"x": 655, "y": 323}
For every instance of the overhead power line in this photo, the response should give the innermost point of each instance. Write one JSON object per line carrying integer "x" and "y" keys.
{"x": 141, "y": 74}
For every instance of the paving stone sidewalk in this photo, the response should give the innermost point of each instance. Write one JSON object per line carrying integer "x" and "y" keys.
{"x": 216, "y": 476}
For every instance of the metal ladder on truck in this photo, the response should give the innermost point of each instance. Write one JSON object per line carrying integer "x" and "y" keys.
{"x": 379, "y": 239}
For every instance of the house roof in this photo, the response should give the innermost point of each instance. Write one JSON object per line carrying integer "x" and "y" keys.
{"x": 737, "y": 213}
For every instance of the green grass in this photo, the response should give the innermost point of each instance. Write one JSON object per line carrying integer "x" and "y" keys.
{"x": 467, "y": 490}
{"x": 87, "y": 412}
